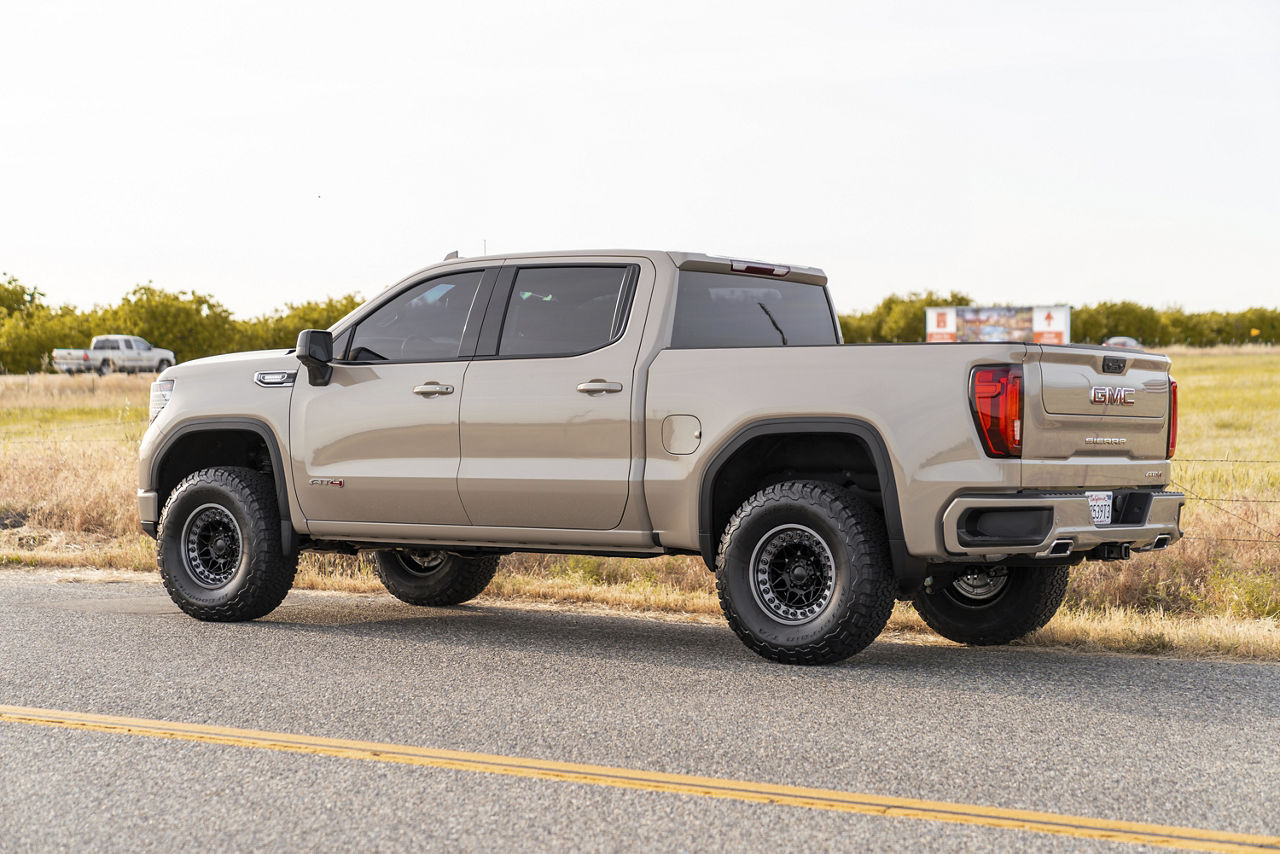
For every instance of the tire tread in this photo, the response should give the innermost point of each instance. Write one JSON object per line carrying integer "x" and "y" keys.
{"x": 1046, "y": 587}
{"x": 465, "y": 579}
{"x": 268, "y": 581}
{"x": 868, "y": 544}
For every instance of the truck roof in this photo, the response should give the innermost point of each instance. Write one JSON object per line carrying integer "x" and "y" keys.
{"x": 682, "y": 260}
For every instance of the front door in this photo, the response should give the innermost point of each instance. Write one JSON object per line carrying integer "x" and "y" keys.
{"x": 379, "y": 443}
{"x": 546, "y": 415}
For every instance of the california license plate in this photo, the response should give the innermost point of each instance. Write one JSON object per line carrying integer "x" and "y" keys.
{"x": 1100, "y": 507}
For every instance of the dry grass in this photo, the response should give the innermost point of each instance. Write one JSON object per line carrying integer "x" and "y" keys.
{"x": 68, "y": 450}
{"x": 1128, "y": 630}
{"x": 1229, "y": 563}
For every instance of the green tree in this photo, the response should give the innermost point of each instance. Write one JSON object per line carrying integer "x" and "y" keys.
{"x": 273, "y": 331}
{"x": 896, "y": 318}
{"x": 191, "y": 324}
{"x": 27, "y": 338}
{"x": 16, "y": 297}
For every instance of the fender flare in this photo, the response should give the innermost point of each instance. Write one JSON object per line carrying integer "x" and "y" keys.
{"x": 909, "y": 570}
{"x": 288, "y": 537}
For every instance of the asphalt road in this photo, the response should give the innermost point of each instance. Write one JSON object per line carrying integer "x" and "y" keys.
{"x": 1133, "y": 739}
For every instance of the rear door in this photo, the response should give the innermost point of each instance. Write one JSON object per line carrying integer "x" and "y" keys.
{"x": 379, "y": 443}
{"x": 547, "y": 410}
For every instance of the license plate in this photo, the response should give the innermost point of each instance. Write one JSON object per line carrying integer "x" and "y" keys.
{"x": 1100, "y": 507}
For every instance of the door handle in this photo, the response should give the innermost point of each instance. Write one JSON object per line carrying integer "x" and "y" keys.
{"x": 432, "y": 389}
{"x": 598, "y": 387}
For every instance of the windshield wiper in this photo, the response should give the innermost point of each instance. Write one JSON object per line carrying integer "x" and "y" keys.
{"x": 769, "y": 315}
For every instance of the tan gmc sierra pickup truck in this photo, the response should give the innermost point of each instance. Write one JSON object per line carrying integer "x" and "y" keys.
{"x": 644, "y": 403}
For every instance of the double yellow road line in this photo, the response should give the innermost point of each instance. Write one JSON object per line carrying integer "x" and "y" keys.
{"x": 627, "y": 778}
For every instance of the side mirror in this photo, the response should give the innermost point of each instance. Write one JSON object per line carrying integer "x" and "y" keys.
{"x": 315, "y": 350}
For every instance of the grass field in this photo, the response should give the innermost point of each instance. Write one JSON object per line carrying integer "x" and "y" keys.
{"x": 68, "y": 475}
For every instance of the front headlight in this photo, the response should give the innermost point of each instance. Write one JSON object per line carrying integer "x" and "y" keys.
{"x": 161, "y": 391}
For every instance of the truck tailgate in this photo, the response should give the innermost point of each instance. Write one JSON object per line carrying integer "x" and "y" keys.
{"x": 1100, "y": 408}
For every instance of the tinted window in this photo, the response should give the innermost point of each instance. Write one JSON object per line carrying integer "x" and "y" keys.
{"x": 128, "y": 345}
{"x": 107, "y": 344}
{"x": 560, "y": 311}
{"x": 423, "y": 324}
{"x": 721, "y": 310}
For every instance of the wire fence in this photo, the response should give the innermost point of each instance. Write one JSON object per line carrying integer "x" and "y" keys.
{"x": 1272, "y": 538}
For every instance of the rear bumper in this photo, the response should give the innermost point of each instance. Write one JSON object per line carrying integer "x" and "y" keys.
{"x": 1058, "y": 524}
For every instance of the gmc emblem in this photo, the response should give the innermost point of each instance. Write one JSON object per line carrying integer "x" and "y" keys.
{"x": 1102, "y": 395}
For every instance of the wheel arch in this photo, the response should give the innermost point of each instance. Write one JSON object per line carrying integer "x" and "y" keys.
{"x": 214, "y": 441}
{"x": 716, "y": 494}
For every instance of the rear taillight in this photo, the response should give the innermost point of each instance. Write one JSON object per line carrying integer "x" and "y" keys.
{"x": 1173, "y": 418}
{"x": 86, "y": 357}
{"x": 996, "y": 396}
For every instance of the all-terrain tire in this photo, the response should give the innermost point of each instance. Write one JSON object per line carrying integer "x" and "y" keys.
{"x": 804, "y": 573}
{"x": 965, "y": 612}
{"x": 163, "y": 365}
{"x": 435, "y": 577}
{"x": 106, "y": 367}
{"x": 219, "y": 546}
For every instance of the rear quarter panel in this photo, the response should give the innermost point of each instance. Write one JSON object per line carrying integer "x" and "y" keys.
{"x": 915, "y": 396}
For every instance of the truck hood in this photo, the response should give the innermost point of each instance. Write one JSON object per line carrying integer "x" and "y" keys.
{"x": 253, "y": 360}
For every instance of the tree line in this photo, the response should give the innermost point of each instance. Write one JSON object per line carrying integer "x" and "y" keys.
{"x": 901, "y": 319}
{"x": 190, "y": 324}
{"x": 195, "y": 325}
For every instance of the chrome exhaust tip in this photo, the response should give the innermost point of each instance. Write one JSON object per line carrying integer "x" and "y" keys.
{"x": 1059, "y": 548}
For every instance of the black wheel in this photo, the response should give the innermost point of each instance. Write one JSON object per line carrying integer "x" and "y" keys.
{"x": 987, "y": 606}
{"x": 804, "y": 573}
{"x": 163, "y": 365}
{"x": 434, "y": 577}
{"x": 105, "y": 367}
{"x": 219, "y": 546}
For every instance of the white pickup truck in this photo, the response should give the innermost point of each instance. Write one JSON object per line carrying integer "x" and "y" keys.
{"x": 110, "y": 353}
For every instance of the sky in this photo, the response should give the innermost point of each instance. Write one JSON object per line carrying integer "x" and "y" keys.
{"x": 1020, "y": 152}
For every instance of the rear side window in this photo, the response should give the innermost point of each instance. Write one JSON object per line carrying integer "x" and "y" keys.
{"x": 722, "y": 310}
{"x": 565, "y": 311}
{"x": 423, "y": 324}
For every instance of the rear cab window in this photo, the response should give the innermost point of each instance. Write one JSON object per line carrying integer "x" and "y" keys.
{"x": 716, "y": 310}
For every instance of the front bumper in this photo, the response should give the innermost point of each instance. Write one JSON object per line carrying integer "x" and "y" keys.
{"x": 148, "y": 511}
{"x": 1058, "y": 524}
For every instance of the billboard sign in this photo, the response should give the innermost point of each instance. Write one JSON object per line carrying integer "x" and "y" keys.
{"x": 1041, "y": 324}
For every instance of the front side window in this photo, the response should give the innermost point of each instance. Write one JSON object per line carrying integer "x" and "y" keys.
{"x": 423, "y": 324}
{"x": 565, "y": 311}
{"x": 723, "y": 310}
